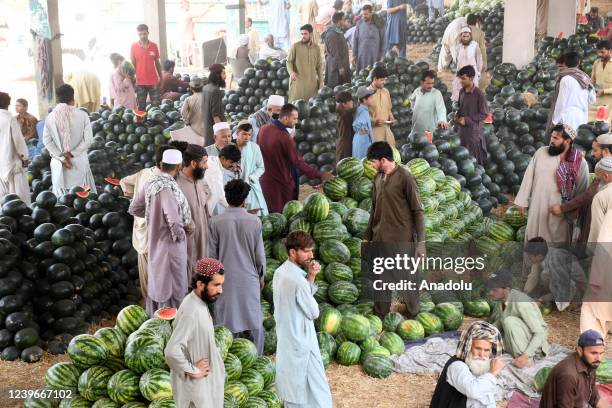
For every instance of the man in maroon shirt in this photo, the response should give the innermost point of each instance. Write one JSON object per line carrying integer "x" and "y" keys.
{"x": 280, "y": 155}
{"x": 169, "y": 84}
{"x": 145, "y": 58}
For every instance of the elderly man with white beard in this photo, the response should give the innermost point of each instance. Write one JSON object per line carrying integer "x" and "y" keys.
{"x": 469, "y": 377}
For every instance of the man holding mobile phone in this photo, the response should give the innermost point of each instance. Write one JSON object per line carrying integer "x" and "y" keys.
{"x": 13, "y": 154}
{"x": 380, "y": 110}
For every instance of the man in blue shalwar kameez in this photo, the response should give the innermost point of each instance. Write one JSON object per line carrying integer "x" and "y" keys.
{"x": 397, "y": 25}
{"x": 300, "y": 374}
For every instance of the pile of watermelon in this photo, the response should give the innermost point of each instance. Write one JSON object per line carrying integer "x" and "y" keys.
{"x": 420, "y": 30}
{"x": 66, "y": 262}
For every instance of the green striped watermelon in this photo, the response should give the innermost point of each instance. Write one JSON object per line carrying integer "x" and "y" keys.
{"x": 376, "y": 325}
{"x": 144, "y": 353}
{"x": 354, "y": 246}
{"x": 487, "y": 246}
{"x": 360, "y": 188}
{"x": 391, "y": 321}
{"x": 122, "y": 387}
{"x": 336, "y": 188}
{"x": 540, "y": 378}
{"x": 279, "y": 223}
{"x": 604, "y": 371}
{"x": 366, "y": 204}
{"x": 329, "y": 229}
{"x": 368, "y": 170}
{"x": 255, "y": 402}
{"x": 338, "y": 208}
{"x": 316, "y": 207}
{"x": 333, "y": 250}
{"x": 279, "y": 250}
{"x": 392, "y": 342}
{"x": 343, "y": 292}
{"x": 93, "y": 383}
{"x": 411, "y": 330}
{"x": 300, "y": 224}
{"x": 476, "y": 308}
{"x": 355, "y": 265}
{"x": 271, "y": 266}
{"x": 113, "y": 339}
{"x": 292, "y": 208}
{"x": 514, "y": 218}
{"x": 253, "y": 380}
{"x": 369, "y": 344}
{"x": 105, "y": 403}
{"x": 325, "y": 358}
{"x": 426, "y": 185}
{"x": 430, "y": 322}
{"x": 45, "y": 400}
{"x": 86, "y": 350}
{"x": 356, "y": 221}
{"x": 62, "y": 376}
{"x": 245, "y": 350}
{"x": 500, "y": 232}
{"x": 355, "y": 327}
{"x": 266, "y": 367}
{"x": 336, "y": 271}
{"x": 115, "y": 364}
{"x": 155, "y": 384}
{"x": 330, "y": 320}
{"x": 267, "y": 229}
{"x": 450, "y": 315}
{"x": 520, "y": 234}
{"x": 346, "y": 309}
{"x": 271, "y": 399}
{"x": 165, "y": 402}
{"x": 233, "y": 367}
{"x": 378, "y": 366}
{"x": 321, "y": 293}
{"x": 326, "y": 342}
{"x": 223, "y": 335}
{"x": 270, "y": 342}
{"x": 130, "y": 318}
{"x": 348, "y": 353}
{"x": 76, "y": 401}
{"x": 365, "y": 308}
{"x": 418, "y": 167}
{"x": 380, "y": 350}
{"x": 349, "y": 168}
{"x": 426, "y": 306}
{"x": 349, "y": 202}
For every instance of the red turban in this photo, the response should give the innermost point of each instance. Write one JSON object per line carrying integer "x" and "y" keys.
{"x": 208, "y": 266}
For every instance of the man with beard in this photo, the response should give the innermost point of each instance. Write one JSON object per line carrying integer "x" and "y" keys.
{"x": 450, "y": 41}
{"x": 396, "y": 215}
{"x": 337, "y": 65}
{"x": 602, "y": 202}
{"x": 305, "y": 66}
{"x": 220, "y": 170}
{"x": 266, "y": 114}
{"x": 428, "y": 109}
{"x": 191, "y": 184}
{"x": 368, "y": 43}
{"x": 556, "y": 174}
{"x": 300, "y": 375}
{"x": 223, "y": 137}
{"x": 469, "y": 378}
{"x": 468, "y": 53}
{"x": 574, "y": 92}
{"x": 518, "y": 319}
{"x": 571, "y": 383}
{"x": 602, "y": 75}
{"x": 197, "y": 371}
{"x": 212, "y": 101}
{"x": 471, "y": 114}
{"x": 578, "y": 209}
{"x": 236, "y": 240}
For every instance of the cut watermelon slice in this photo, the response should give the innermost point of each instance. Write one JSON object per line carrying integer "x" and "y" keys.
{"x": 166, "y": 313}
{"x": 82, "y": 194}
{"x": 113, "y": 181}
{"x": 489, "y": 118}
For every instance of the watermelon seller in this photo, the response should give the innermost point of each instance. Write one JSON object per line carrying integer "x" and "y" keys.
{"x": 556, "y": 174}
{"x": 300, "y": 374}
{"x": 262, "y": 117}
{"x": 602, "y": 75}
{"x": 380, "y": 110}
{"x": 197, "y": 372}
{"x": 519, "y": 320}
{"x": 169, "y": 85}
{"x": 471, "y": 114}
{"x": 571, "y": 383}
{"x": 144, "y": 55}
{"x": 305, "y": 66}
{"x": 428, "y": 108}
{"x": 469, "y": 378}
{"x": 450, "y": 41}
{"x": 368, "y": 43}
{"x": 468, "y": 54}
{"x": 280, "y": 156}
{"x": 362, "y": 124}
{"x": 344, "y": 125}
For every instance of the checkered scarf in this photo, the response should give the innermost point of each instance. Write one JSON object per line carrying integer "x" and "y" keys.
{"x": 479, "y": 330}
{"x": 160, "y": 182}
{"x": 568, "y": 169}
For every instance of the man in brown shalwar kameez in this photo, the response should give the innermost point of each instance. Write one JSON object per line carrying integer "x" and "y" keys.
{"x": 397, "y": 214}
{"x": 305, "y": 66}
{"x": 191, "y": 183}
{"x": 337, "y": 65}
{"x": 382, "y": 117}
{"x": 471, "y": 115}
{"x": 344, "y": 125}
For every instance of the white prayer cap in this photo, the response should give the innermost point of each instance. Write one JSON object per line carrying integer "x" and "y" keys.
{"x": 466, "y": 30}
{"x": 243, "y": 39}
{"x": 276, "y": 100}
{"x": 172, "y": 156}
{"x": 605, "y": 139}
{"x": 220, "y": 126}
{"x": 604, "y": 164}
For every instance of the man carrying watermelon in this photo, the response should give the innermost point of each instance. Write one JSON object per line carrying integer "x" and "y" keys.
{"x": 197, "y": 371}
{"x": 300, "y": 374}
{"x": 469, "y": 378}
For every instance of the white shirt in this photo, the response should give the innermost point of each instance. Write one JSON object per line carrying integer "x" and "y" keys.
{"x": 572, "y": 106}
{"x": 480, "y": 391}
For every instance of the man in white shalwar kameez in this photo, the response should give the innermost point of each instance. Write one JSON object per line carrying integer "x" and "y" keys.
{"x": 197, "y": 372}
{"x": 540, "y": 188}
{"x": 67, "y": 136}
{"x": 279, "y": 21}
{"x": 468, "y": 53}
{"x": 602, "y": 202}
{"x": 450, "y": 40}
{"x": 13, "y": 154}
{"x": 300, "y": 374}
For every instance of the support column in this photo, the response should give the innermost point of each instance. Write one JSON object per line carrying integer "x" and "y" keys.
{"x": 561, "y": 17}
{"x": 235, "y": 11}
{"x": 519, "y": 28}
{"x": 155, "y": 19}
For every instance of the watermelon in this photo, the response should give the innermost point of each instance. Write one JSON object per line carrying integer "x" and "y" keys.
{"x": 144, "y": 353}
{"x": 130, "y": 318}
{"x": 224, "y": 335}
{"x": 93, "y": 383}
{"x": 270, "y": 342}
{"x": 368, "y": 344}
{"x": 430, "y": 322}
{"x": 348, "y": 353}
{"x": 300, "y": 224}
{"x": 271, "y": 399}
{"x": 164, "y": 327}
{"x": 338, "y": 208}
{"x": 165, "y": 402}
{"x": 411, "y": 330}
{"x": 365, "y": 308}
{"x": 500, "y": 231}
{"x": 378, "y": 366}
{"x": 166, "y": 313}
{"x": 329, "y": 229}
{"x": 279, "y": 251}
{"x": 514, "y": 218}
{"x": 356, "y": 221}
{"x": 376, "y": 325}
{"x": 292, "y": 208}
{"x": 333, "y": 250}
{"x": 329, "y": 321}
{"x": 113, "y": 339}
{"x": 233, "y": 367}
{"x": 354, "y": 246}
{"x": 266, "y": 367}
{"x": 426, "y": 306}
{"x": 76, "y": 401}
{"x": 253, "y": 380}
{"x": 115, "y": 364}
{"x": 477, "y": 308}
{"x": 380, "y": 350}
{"x": 391, "y": 321}
{"x": 349, "y": 168}
{"x": 450, "y": 316}
{"x": 392, "y": 342}
{"x": 336, "y": 271}
{"x": 343, "y": 292}
{"x": 321, "y": 293}
{"x": 327, "y": 343}
{"x": 336, "y": 188}
{"x": 155, "y": 384}
{"x": 123, "y": 387}
{"x": 347, "y": 309}
{"x": 255, "y": 402}
{"x": 62, "y": 376}
{"x": 105, "y": 403}
{"x": 86, "y": 350}
{"x": 134, "y": 404}
{"x": 238, "y": 390}
{"x": 360, "y": 188}
{"x": 349, "y": 203}
{"x": 45, "y": 399}
{"x": 418, "y": 167}
{"x": 604, "y": 372}
{"x": 368, "y": 170}
{"x": 316, "y": 207}
{"x": 245, "y": 350}
{"x": 540, "y": 378}
{"x": 355, "y": 327}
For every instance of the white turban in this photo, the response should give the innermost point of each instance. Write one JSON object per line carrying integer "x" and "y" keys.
{"x": 220, "y": 126}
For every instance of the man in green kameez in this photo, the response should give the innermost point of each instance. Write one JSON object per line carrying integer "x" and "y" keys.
{"x": 305, "y": 67}
{"x": 519, "y": 320}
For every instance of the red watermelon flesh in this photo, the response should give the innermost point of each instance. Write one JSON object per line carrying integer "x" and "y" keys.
{"x": 113, "y": 181}
{"x": 166, "y": 313}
